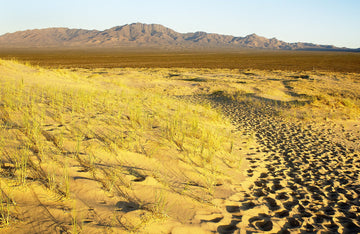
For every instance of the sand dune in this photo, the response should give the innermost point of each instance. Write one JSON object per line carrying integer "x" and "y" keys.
{"x": 155, "y": 150}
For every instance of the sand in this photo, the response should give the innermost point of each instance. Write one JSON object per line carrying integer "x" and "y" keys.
{"x": 283, "y": 175}
{"x": 299, "y": 180}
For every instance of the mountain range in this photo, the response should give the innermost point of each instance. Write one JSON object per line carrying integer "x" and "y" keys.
{"x": 145, "y": 35}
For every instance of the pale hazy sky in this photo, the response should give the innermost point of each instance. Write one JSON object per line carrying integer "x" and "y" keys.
{"x": 335, "y": 22}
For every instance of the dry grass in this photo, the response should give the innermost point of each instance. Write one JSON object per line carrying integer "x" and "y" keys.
{"x": 126, "y": 149}
{"x": 92, "y": 139}
{"x": 311, "y": 95}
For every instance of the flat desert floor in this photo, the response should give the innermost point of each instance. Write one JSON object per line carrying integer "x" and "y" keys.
{"x": 178, "y": 150}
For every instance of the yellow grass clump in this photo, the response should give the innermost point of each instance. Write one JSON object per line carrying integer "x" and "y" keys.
{"x": 82, "y": 152}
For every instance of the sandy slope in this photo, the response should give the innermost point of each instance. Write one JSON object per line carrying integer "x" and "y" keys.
{"x": 90, "y": 154}
{"x": 298, "y": 176}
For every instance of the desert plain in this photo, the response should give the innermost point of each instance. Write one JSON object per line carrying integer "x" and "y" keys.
{"x": 167, "y": 144}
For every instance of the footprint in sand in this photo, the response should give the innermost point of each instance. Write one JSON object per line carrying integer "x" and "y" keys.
{"x": 304, "y": 180}
{"x": 261, "y": 222}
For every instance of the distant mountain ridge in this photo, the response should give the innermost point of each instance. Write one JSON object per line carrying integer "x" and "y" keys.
{"x": 145, "y": 35}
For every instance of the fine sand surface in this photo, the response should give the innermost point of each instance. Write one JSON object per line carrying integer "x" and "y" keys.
{"x": 157, "y": 150}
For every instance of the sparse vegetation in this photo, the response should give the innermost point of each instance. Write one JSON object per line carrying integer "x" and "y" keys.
{"x": 213, "y": 59}
{"x": 118, "y": 149}
{"x": 58, "y": 127}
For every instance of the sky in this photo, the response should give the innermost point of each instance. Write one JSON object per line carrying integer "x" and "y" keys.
{"x": 329, "y": 22}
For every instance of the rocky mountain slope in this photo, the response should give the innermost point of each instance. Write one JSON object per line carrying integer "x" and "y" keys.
{"x": 145, "y": 35}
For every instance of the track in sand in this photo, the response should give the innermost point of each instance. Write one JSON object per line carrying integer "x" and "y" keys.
{"x": 300, "y": 181}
